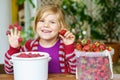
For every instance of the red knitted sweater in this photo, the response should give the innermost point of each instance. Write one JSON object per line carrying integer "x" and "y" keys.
{"x": 66, "y": 56}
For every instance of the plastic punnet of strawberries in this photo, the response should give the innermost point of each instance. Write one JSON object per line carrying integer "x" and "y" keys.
{"x": 93, "y": 67}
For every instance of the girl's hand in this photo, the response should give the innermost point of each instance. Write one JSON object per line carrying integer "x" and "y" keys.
{"x": 68, "y": 38}
{"x": 14, "y": 36}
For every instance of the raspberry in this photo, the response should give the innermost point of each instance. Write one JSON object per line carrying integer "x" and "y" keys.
{"x": 29, "y": 55}
{"x": 8, "y": 32}
{"x": 19, "y": 28}
{"x": 10, "y": 27}
{"x": 62, "y": 32}
{"x": 20, "y": 40}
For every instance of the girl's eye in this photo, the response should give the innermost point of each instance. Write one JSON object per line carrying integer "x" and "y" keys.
{"x": 41, "y": 20}
{"x": 52, "y": 22}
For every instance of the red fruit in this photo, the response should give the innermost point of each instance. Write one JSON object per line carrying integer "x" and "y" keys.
{"x": 10, "y": 27}
{"x": 19, "y": 28}
{"x": 88, "y": 41}
{"x": 102, "y": 46}
{"x": 8, "y": 32}
{"x": 29, "y": 55}
{"x": 20, "y": 40}
{"x": 22, "y": 55}
{"x": 93, "y": 46}
{"x": 96, "y": 49}
{"x": 109, "y": 48}
{"x": 62, "y": 32}
{"x": 86, "y": 48}
{"x": 97, "y": 43}
{"x": 16, "y": 24}
{"x": 78, "y": 46}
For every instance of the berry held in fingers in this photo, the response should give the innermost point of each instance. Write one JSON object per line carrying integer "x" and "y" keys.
{"x": 62, "y": 32}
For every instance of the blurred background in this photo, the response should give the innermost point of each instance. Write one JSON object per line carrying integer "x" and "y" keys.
{"x": 87, "y": 19}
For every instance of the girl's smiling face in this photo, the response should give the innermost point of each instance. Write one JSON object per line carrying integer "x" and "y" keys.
{"x": 48, "y": 27}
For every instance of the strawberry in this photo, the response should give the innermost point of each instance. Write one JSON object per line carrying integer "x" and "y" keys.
{"x": 8, "y": 32}
{"x": 93, "y": 46}
{"x": 62, "y": 32}
{"x": 97, "y": 43}
{"x": 86, "y": 48}
{"x": 10, "y": 27}
{"x": 102, "y": 46}
{"x": 20, "y": 40}
{"x": 88, "y": 41}
{"x": 109, "y": 48}
{"x": 96, "y": 49}
{"x": 78, "y": 46}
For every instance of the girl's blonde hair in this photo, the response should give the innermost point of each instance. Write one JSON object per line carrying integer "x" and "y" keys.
{"x": 48, "y": 9}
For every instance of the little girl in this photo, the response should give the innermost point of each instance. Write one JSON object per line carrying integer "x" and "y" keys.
{"x": 48, "y": 23}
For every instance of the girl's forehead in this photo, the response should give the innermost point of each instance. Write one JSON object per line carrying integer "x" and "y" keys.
{"x": 45, "y": 14}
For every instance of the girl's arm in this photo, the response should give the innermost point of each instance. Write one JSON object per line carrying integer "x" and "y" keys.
{"x": 70, "y": 58}
{"x": 8, "y": 66}
{"x": 68, "y": 40}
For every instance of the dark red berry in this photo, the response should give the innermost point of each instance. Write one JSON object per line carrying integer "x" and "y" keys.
{"x": 19, "y": 28}
{"x": 62, "y": 32}
{"x": 8, "y": 32}
{"x": 10, "y": 26}
{"x": 20, "y": 40}
{"x": 29, "y": 55}
{"x": 16, "y": 24}
{"x": 88, "y": 41}
{"x": 78, "y": 46}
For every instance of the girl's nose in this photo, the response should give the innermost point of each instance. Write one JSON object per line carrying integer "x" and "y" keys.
{"x": 46, "y": 24}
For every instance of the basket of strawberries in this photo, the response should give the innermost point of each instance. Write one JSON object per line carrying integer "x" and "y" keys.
{"x": 94, "y": 61}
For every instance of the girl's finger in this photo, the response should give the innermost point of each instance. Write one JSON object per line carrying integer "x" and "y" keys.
{"x": 18, "y": 33}
{"x": 15, "y": 31}
{"x": 8, "y": 36}
{"x": 61, "y": 37}
{"x": 67, "y": 34}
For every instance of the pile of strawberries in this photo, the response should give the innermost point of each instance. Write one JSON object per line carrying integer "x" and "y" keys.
{"x": 29, "y": 55}
{"x": 19, "y": 28}
{"x": 88, "y": 46}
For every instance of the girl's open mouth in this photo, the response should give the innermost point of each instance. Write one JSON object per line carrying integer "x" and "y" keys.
{"x": 46, "y": 31}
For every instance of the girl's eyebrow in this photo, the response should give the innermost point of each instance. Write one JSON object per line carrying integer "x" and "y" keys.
{"x": 54, "y": 19}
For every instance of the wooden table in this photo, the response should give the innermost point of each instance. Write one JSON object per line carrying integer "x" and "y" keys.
{"x": 53, "y": 77}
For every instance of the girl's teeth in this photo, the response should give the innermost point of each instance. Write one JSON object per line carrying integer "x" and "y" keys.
{"x": 46, "y": 31}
